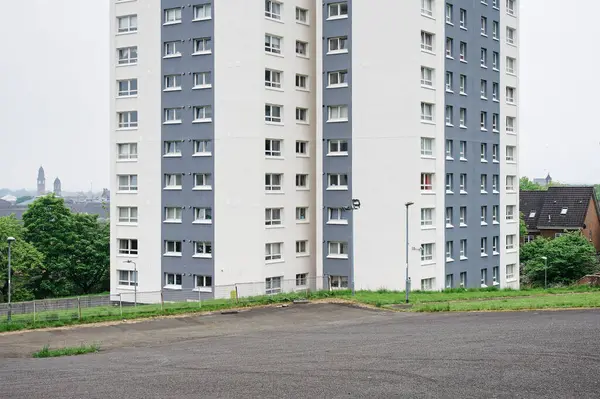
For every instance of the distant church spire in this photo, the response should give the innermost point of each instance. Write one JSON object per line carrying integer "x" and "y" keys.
{"x": 57, "y": 187}
{"x": 41, "y": 182}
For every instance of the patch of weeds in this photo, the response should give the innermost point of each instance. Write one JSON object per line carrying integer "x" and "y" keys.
{"x": 67, "y": 351}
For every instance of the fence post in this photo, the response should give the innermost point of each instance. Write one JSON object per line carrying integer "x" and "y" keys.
{"x": 236, "y": 294}
{"x": 79, "y": 307}
{"x": 121, "y": 304}
{"x": 162, "y": 301}
{"x": 34, "y": 311}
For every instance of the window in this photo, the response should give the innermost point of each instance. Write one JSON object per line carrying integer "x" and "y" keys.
{"x": 127, "y": 55}
{"x": 427, "y": 253}
{"x": 495, "y": 183}
{"x": 172, "y": 280}
{"x": 127, "y": 119}
{"x": 202, "y": 249}
{"x": 202, "y": 80}
{"x": 338, "y": 79}
{"x": 337, "y": 147}
{"x": 463, "y": 18}
{"x": 301, "y": 181}
{"x": 272, "y": 285}
{"x": 463, "y": 84}
{"x": 510, "y": 35}
{"x": 510, "y": 272}
{"x": 463, "y": 249}
{"x": 338, "y": 10}
{"x": 510, "y": 212}
{"x": 449, "y": 183}
{"x": 173, "y": 248}
{"x": 273, "y": 251}
{"x": 426, "y": 216}
{"x": 301, "y": 15}
{"x": 273, "y": 148}
{"x": 128, "y": 246}
{"x": 495, "y": 4}
{"x": 510, "y": 183}
{"x": 338, "y": 282}
{"x": 302, "y": 250}
{"x": 173, "y": 214}
{"x": 337, "y": 113}
{"x": 301, "y": 48}
{"x": 272, "y": 9}
{"x": 532, "y": 213}
{"x": 172, "y": 148}
{"x": 301, "y": 115}
{"x": 127, "y": 88}
{"x": 484, "y": 215}
{"x": 511, "y": 65}
{"x": 495, "y": 30}
{"x": 495, "y": 151}
{"x": 427, "y": 7}
{"x": 203, "y": 113}
{"x": 203, "y": 215}
{"x": 495, "y": 245}
{"x": 127, "y": 151}
{"x": 483, "y": 278}
{"x": 449, "y": 81}
{"x": 484, "y": 26}
{"x": 173, "y": 115}
{"x": 127, "y": 24}
{"x": 173, "y": 181}
{"x": 449, "y": 47}
{"x": 336, "y": 216}
{"x": 510, "y": 153}
{"x": 301, "y": 82}
{"x": 273, "y": 181}
{"x": 510, "y": 242}
{"x": 449, "y": 251}
{"x": 301, "y": 279}
{"x": 449, "y": 149}
{"x": 495, "y": 212}
{"x": 127, "y": 182}
{"x": 463, "y": 183}
{"x": 510, "y": 7}
{"x": 483, "y": 184}
{"x": 483, "y": 120}
{"x": 463, "y": 117}
{"x": 427, "y": 284}
{"x": 510, "y": 124}
{"x": 338, "y": 250}
{"x": 128, "y": 214}
{"x": 338, "y": 44}
{"x": 426, "y": 41}
{"x": 510, "y": 95}
{"x": 426, "y": 77}
{"x": 449, "y": 217}
{"x": 127, "y": 277}
{"x": 449, "y": 115}
{"x": 463, "y": 279}
{"x": 463, "y": 216}
{"x": 463, "y": 51}
{"x": 483, "y": 152}
{"x": 495, "y": 92}
{"x": 202, "y": 281}
{"x": 484, "y": 58}
{"x": 426, "y": 112}
{"x": 202, "y": 11}
{"x": 202, "y": 147}
{"x": 273, "y": 113}
{"x": 449, "y": 13}
{"x": 337, "y": 181}
{"x": 202, "y": 46}
{"x": 564, "y": 211}
{"x": 449, "y": 281}
{"x": 427, "y": 147}
{"x": 272, "y": 78}
{"x": 484, "y": 246}
{"x": 202, "y": 181}
{"x": 495, "y": 61}
{"x": 463, "y": 150}
{"x": 302, "y": 148}
{"x": 273, "y": 44}
{"x": 427, "y": 182}
{"x": 483, "y": 89}
{"x": 172, "y": 49}
{"x": 172, "y": 16}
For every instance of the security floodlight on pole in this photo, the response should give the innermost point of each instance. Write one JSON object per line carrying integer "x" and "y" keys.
{"x": 407, "y": 281}
{"x": 353, "y": 207}
{"x": 545, "y": 271}
{"x": 10, "y": 240}
{"x": 136, "y": 281}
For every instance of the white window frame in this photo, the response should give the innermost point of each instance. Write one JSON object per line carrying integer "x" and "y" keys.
{"x": 463, "y": 183}
{"x": 202, "y": 80}
{"x": 127, "y": 183}
{"x": 510, "y": 7}
{"x": 427, "y": 216}
{"x": 510, "y": 242}
{"x": 274, "y": 113}
{"x": 173, "y": 116}
{"x": 203, "y": 249}
{"x": 203, "y": 283}
{"x": 301, "y": 82}
{"x": 462, "y": 216}
{"x": 510, "y": 124}
{"x": 202, "y": 181}
{"x": 127, "y": 120}
{"x": 302, "y": 115}
{"x": 202, "y": 148}
{"x": 273, "y": 44}
{"x": 127, "y": 152}
{"x": 483, "y": 243}
{"x": 202, "y": 12}
{"x": 427, "y": 253}
{"x": 273, "y": 217}
{"x": 173, "y": 248}
{"x": 301, "y": 148}
{"x": 301, "y": 279}
{"x": 301, "y": 214}
{"x": 427, "y": 182}
{"x": 511, "y": 65}
{"x": 510, "y": 212}
{"x": 129, "y": 27}
{"x": 171, "y": 49}
{"x": 130, "y": 89}
{"x": 337, "y": 45}
{"x": 273, "y": 10}
{"x": 337, "y": 10}
{"x": 301, "y": 248}
{"x": 335, "y": 147}
{"x": 273, "y": 252}
{"x": 173, "y": 181}
{"x": 202, "y": 46}
{"x": 337, "y": 181}
{"x": 449, "y": 251}
{"x": 337, "y": 113}
{"x": 173, "y": 214}
{"x": 273, "y": 285}
{"x": 427, "y": 41}
{"x": 337, "y": 250}
{"x": 463, "y": 52}
{"x": 511, "y": 34}
{"x": 510, "y": 272}
{"x": 511, "y": 93}
{"x": 127, "y": 55}
{"x": 428, "y": 284}
{"x": 427, "y": 8}
{"x": 172, "y": 16}
{"x": 273, "y": 182}
{"x": 427, "y": 76}
{"x": 427, "y": 112}
{"x": 302, "y": 16}
{"x": 202, "y": 114}
{"x": 172, "y": 148}
{"x": 273, "y": 148}
{"x": 301, "y": 49}
{"x": 127, "y": 214}
{"x": 336, "y": 216}
{"x": 202, "y": 215}
{"x": 171, "y": 280}
{"x": 510, "y": 183}
{"x": 427, "y": 147}
{"x": 511, "y": 153}
{"x": 301, "y": 181}
{"x": 463, "y": 249}
{"x": 127, "y": 278}
{"x": 338, "y": 282}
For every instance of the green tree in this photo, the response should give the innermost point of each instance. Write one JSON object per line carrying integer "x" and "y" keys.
{"x": 527, "y": 185}
{"x": 26, "y": 261}
{"x": 49, "y": 228}
{"x": 23, "y": 199}
{"x": 522, "y": 226}
{"x": 570, "y": 257}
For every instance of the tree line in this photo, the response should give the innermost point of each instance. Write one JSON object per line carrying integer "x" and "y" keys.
{"x": 56, "y": 252}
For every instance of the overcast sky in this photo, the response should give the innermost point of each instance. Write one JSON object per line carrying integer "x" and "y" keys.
{"x": 54, "y": 93}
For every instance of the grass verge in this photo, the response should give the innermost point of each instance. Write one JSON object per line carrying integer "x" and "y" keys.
{"x": 67, "y": 351}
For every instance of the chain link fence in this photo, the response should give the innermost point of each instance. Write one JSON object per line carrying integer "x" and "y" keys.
{"x": 132, "y": 303}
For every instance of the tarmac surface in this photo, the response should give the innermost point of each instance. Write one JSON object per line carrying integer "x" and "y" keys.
{"x": 316, "y": 351}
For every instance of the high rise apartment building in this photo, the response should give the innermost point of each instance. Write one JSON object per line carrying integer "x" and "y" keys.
{"x": 243, "y": 130}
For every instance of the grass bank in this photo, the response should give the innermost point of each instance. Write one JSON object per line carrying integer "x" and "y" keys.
{"x": 67, "y": 351}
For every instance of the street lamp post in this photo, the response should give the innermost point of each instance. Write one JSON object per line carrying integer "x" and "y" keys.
{"x": 353, "y": 207}
{"x": 407, "y": 282}
{"x": 136, "y": 281}
{"x": 10, "y": 240}
{"x": 545, "y": 271}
